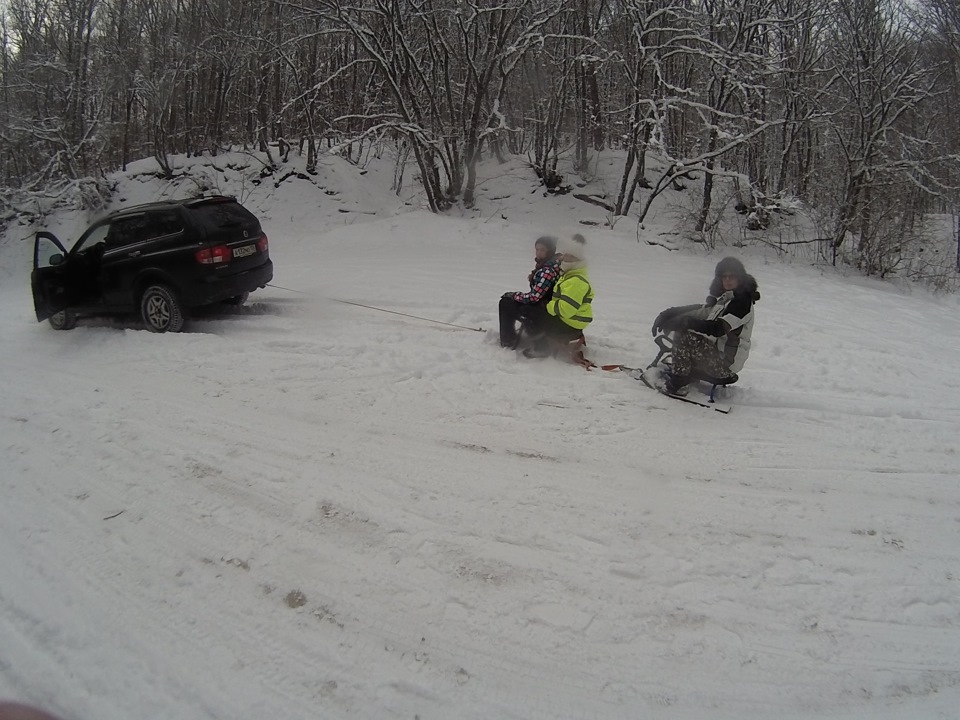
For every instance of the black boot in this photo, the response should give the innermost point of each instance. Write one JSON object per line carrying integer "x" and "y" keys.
{"x": 539, "y": 348}
{"x": 509, "y": 314}
{"x": 675, "y": 384}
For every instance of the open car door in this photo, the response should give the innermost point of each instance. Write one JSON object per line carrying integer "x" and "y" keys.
{"x": 51, "y": 279}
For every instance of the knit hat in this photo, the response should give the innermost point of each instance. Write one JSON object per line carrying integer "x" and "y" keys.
{"x": 549, "y": 242}
{"x": 730, "y": 266}
{"x": 575, "y": 246}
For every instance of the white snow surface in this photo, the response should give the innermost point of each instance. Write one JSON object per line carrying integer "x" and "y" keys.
{"x": 465, "y": 533}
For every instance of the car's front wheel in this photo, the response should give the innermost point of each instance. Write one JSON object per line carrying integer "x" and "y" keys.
{"x": 63, "y": 320}
{"x": 161, "y": 310}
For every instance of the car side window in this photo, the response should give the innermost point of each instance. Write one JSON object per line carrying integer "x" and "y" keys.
{"x": 94, "y": 236}
{"x": 127, "y": 231}
{"x": 163, "y": 223}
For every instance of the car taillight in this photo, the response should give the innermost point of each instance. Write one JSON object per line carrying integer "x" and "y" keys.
{"x": 263, "y": 244}
{"x": 213, "y": 256}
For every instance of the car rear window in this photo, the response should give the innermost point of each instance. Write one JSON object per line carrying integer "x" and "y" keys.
{"x": 226, "y": 214}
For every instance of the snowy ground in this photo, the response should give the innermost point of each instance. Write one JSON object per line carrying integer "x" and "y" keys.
{"x": 463, "y": 534}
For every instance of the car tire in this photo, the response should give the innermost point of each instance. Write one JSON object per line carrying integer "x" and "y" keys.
{"x": 63, "y": 320}
{"x": 237, "y": 300}
{"x": 161, "y": 310}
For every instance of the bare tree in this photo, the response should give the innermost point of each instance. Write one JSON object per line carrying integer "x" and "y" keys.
{"x": 850, "y": 105}
{"x": 876, "y": 54}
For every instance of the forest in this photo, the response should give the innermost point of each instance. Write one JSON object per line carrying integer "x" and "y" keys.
{"x": 849, "y": 107}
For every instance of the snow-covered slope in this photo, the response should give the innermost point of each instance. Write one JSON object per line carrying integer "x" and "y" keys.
{"x": 331, "y": 512}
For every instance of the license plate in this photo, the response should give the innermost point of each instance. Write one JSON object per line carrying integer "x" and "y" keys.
{"x": 244, "y": 251}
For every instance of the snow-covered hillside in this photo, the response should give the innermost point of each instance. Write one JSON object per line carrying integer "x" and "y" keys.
{"x": 307, "y": 509}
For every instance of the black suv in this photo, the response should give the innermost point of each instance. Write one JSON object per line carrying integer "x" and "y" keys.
{"x": 159, "y": 260}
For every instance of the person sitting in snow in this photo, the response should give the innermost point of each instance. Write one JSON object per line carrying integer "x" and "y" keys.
{"x": 711, "y": 341}
{"x": 516, "y": 306}
{"x": 570, "y": 309}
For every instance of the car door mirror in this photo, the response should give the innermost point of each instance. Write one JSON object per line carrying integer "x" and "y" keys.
{"x": 56, "y": 259}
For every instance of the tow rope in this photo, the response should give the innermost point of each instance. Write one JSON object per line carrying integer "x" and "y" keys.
{"x": 378, "y": 309}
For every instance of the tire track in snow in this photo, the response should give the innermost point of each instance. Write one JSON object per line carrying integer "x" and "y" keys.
{"x": 192, "y": 539}
{"x": 724, "y": 570}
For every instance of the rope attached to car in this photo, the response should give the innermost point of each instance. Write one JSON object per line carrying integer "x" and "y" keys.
{"x": 378, "y": 309}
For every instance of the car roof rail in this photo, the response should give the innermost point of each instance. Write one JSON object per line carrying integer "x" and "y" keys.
{"x": 209, "y": 200}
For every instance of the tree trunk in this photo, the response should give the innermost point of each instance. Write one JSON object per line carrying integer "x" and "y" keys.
{"x": 640, "y": 175}
{"x": 704, "y": 213}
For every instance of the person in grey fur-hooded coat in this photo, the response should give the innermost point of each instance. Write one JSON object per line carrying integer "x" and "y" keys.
{"x": 712, "y": 340}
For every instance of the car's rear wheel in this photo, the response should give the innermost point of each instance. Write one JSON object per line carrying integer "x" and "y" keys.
{"x": 63, "y": 320}
{"x": 237, "y": 300}
{"x": 161, "y": 310}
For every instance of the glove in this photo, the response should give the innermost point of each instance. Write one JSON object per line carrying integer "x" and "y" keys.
{"x": 661, "y": 321}
{"x": 677, "y": 324}
{"x": 507, "y": 295}
{"x": 713, "y": 328}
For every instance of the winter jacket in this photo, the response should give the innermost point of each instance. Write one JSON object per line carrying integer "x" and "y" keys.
{"x": 727, "y": 320}
{"x": 572, "y": 299}
{"x": 542, "y": 280}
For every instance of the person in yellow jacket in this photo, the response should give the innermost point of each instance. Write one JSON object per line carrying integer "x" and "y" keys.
{"x": 570, "y": 310}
